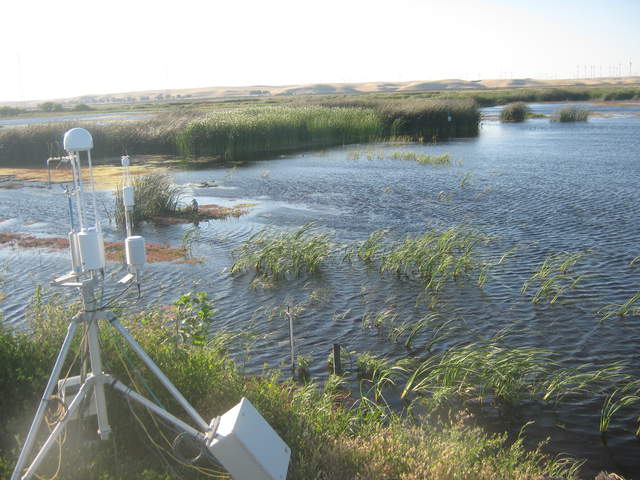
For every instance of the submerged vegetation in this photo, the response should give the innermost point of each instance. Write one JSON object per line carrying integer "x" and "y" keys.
{"x": 423, "y": 158}
{"x": 514, "y": 112}
{"x": 570, "y": 114}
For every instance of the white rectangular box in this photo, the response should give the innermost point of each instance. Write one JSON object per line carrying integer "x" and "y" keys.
{"x": 247, "y": 447}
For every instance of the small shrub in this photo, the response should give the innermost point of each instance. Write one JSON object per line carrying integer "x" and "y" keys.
{"x": 514, "y": 112}
{"x": 155, "y": 195}
{"x": 81, "y": 107}
{"x": 570, "y": 114}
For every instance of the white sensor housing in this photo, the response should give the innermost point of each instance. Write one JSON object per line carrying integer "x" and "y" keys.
{"x": 247, "y": 447}
{"x": 136, "y": 254}
{"x": 127, "y": 196}
{"x": 90, "y": 250}
{"x": 77, "y": 140}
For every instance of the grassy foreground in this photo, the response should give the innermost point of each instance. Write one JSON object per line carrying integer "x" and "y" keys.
{"x": 332, "y": 435}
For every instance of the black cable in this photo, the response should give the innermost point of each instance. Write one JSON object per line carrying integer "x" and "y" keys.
{"x": 113, "y": 299}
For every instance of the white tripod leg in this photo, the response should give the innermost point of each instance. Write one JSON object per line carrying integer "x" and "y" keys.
{"x": 161, "y": 376}
{"x": 161, "y": 412}
{"x": 53, "y": 381}
{"x": 104, "y": 429}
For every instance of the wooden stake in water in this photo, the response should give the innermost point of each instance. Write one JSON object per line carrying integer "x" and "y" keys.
{"x": 291, "y": 342}
{"x": 337, "y": 365}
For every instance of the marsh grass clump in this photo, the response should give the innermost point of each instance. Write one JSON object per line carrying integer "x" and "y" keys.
{"x": 514, "y": 112}
{"x": 621, "y": 398}
{"x": 627, "y": 308}
{"x": 280, "y": 255}
{"x": 436, "y": 328}
{"x": 433, "y": 258}
{"x": 553, "y": 276}
{"x": 369, "y": 250}
{"x": 423, "y": 158}
{"x": 155, "y": 196}
{"x": 491, "y": 372}
{"x": 570, "y": 114}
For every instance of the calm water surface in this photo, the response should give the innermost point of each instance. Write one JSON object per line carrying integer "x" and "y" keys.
{"x": 539, "y": 186}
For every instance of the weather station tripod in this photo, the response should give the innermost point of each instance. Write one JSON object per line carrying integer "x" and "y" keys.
{"x": 241, "y": 440}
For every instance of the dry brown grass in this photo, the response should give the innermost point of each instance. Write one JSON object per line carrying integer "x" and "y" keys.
{"x": 114, "y": 250}
{"x": 106, "y": 176}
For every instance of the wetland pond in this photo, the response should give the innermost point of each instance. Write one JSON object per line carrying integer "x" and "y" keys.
{"x": 535, "y": 188}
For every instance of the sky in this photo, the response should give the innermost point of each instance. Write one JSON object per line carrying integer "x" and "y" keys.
{"x": 55, "y": 49}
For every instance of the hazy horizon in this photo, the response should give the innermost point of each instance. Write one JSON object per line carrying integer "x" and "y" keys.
{"x": 138, "y": 46}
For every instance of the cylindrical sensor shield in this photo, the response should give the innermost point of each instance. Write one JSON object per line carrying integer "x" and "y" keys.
{"x": 89, "y": 243}
{"x": 136, "y": 254}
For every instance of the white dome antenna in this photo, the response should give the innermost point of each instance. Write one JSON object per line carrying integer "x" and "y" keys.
{"x": 77, "y": 140}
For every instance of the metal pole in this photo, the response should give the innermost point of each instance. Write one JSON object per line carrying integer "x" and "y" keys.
{"x": 119, "y": 386}
{"x": 104, "y": 429}
{"x": 58, "y": 428}
{"x": 89, "y": 315}
{"x": 158, "y": 373}
{"x": 53, "y": 380}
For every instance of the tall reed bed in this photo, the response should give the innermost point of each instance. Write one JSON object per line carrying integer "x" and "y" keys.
{"x": 423, "y": 119}
{"x": 250, "y": 132}
{"x": 33, "y": 144}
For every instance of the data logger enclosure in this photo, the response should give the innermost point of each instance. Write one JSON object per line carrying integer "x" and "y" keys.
{"x": 247, "y": 446}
